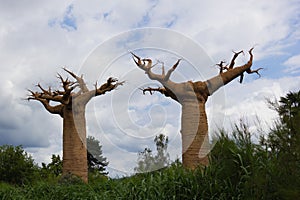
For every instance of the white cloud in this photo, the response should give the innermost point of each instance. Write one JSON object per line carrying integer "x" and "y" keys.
{"x": 293, "y": 64}
{"x": 249, "y": 100}
{"x": 31, "y": 51}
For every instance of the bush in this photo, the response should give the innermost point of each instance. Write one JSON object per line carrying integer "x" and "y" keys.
{"x": 16, "y": 166}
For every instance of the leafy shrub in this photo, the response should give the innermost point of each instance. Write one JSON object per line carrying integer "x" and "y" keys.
{"x": 16, "y": 166}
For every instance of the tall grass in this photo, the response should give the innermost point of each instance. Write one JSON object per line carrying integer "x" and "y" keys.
{"x": 239, "y": 169}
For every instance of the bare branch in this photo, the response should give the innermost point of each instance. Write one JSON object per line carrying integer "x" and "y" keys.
{"x": 137, "y": 60}
{"x": 251, "y": 55}
{"x": 110, "y": 84}
{"x": 50, "y": 91}
{"x": 163, "y": 90}
{"x": 52, "y": 109}
{"x": 60, "y": 78}
{"x": 96, "y": 85}
{"x": 241, "y": 77}
{"x": 66, "y": 83}
{"x": 222, "y": 67}
{"x": 40, "y": 95}
{"x": 51, "y": 97}
{"x": 232, "y": 63}
{"x": 43, "y": 90}
{"x": 79, "y": 80}
{"x": 146, "y": 65}
{"x": 166, "y": 78}
{"x": 224, "y": 78}
{"x": 221, "y": 63}
{"x": 57, "y": 96}
{"x": 32, "y": 95}
{"x": 58, "y": 92}
{"x": 158, "y": 61}
{"x": 249, "y": 71}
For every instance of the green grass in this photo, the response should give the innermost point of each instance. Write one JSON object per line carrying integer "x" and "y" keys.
{"x": 171, "y": 183}
{"x": 238, "y": 170}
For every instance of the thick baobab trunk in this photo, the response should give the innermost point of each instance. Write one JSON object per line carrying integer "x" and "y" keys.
{"x": 74, "y": 142}
{"x": 71, "y": 107}
{"x": 194, "y": 132}
{"x": 194, "y": 126}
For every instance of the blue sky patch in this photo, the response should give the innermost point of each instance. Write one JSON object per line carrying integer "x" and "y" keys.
{"x": 106, "y": 14}
{"x": 69, "y": 21}
{"x": 170, "y": 23}
{"x": 145, "y": 20}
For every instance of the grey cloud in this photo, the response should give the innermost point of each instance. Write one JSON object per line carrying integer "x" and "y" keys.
{"x": 22, "y": 123}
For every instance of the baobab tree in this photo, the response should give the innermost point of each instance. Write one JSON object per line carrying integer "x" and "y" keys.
{"x": 192, "y": 96}
{"x": 70, "y": 103}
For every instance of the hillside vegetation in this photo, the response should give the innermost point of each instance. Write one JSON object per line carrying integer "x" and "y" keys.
{"x": 239, "y": 169}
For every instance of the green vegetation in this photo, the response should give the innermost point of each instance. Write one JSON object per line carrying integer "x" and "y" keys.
{"x": 239, "y": 169}
{"x": 96, "y": 162}
{"x": 53, "y": 169}
{"x": 148, "y": 162}
{"x": 16, "y": 166}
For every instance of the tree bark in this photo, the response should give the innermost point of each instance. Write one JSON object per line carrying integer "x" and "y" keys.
{"x": 192, "y": 97}
{"x": 71, "y": 108}
{"x": 194, "y": 132}
{"x": 74, "y": 142}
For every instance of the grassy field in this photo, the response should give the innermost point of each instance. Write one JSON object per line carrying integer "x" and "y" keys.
{"x": 238, "y": 170}
{"x": 171, "y": 183}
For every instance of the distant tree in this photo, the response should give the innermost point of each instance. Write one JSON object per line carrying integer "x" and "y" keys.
{"x": 96, "y": 161}
{"x": 284, "y": 144}
{"x": 162, "y": 157}
{"x": 289, "y": 110}
{"x": 148, "y": 162}
{"x": 285, "y": 137}
{"x": 145, "y": 161}
{"x": 54, "y": 167}
{"x": 16, "y": 166}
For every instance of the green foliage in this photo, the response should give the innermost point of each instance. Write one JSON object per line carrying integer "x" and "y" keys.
{"x": 70, "y": 179}
{"x": 288, "y": 109}
{"x": 239, "y": 169}
{"x": 16, "y": 166}
{"x": 162, "y": 157}
{"x": 148, "y": 162}
{"x": 52, "y": 169}
{"x": 243, "y": 166}
{"x": 96, "y": 164}
{"x": 56, "y": 165}
{"x": 283, "y": 143}
{"x": 145, "y": 161}
{"x": 96, "y": 161}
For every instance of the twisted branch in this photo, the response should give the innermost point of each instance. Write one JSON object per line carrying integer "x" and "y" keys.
{"x": 236, "y": 54}
{"x": 222, "y": 67}
{"x": 66, "y": 96}
{"x": 146, "y": 65}
{"x": 46, "y": 103}
{"x": 79, "y": 80}
{"x": 163, "y": 90}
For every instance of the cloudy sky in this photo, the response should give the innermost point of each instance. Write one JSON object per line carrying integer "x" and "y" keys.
{"x": 38, "y": 38}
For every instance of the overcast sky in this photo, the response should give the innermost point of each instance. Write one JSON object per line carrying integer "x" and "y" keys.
{"x": 38, "y": 38}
